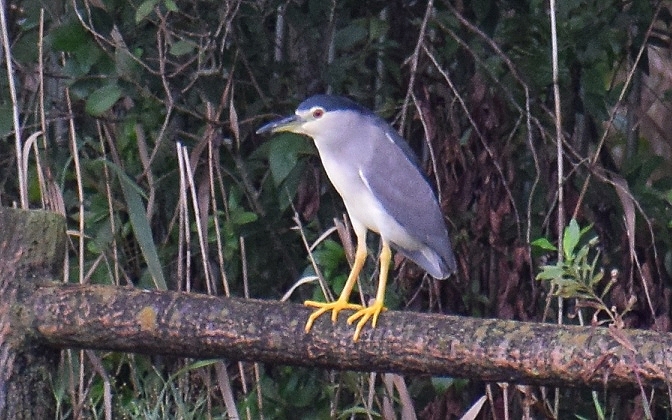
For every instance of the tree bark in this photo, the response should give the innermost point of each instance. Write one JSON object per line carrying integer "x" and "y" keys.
{"x": 200, "y": 326}
{"x": 31, "y": 253}
{"x": 38, "y": 316}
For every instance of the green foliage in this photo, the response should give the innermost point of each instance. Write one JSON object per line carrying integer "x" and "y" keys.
{"x": 102, "y": 99}
{"x": 577, "y": 274}
{"x": 290, "y": 393}
{"x": 285, "y": 154}
{"x": 142, "y": 230}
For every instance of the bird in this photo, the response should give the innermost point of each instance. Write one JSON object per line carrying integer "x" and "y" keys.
{"x": 384, "y": 190}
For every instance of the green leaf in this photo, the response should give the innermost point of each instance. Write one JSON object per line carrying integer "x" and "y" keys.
{"x": 570, "y": 238}
{"x": 79, "y": 63}
{"x": 582, "y": 253}
{"x": 551, "y": 272}
{"x": 378, "y": 28}
{"x": 570, "y": 288}
{"x": 464, "y": 139}
{"x": 598, "y": 407}
{"x": 143, "y": 232}
{"x": 196, "y": 365}
{"x": 102, "y": 99}
{"x": 442, "y": 383}
{"x": 585, "y": 230}
{"x": 24, "y": 49}
{"x": 329, "y": 255}
{"x": 6, "y": 119}
{"x": 243, "y": 217}
{"x": 350, "y": 412}
{"x": 283, "y": 155}
{"x": 68, "y": 37}
{"x": 182, "y": 47}
{"x": 597, "y": 278}
{"x": 544, "y": 244}
{"x": 145, "y": 9}
{"x": 352, "y": 34}
{"x": 171, "y": 5}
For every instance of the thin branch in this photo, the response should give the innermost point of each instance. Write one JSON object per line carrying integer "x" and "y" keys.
{"x": 560, "y": 166}
{"x": 480, "y": 136}
{"x": 558, "y": 130}
{"x": 414, "y": 63}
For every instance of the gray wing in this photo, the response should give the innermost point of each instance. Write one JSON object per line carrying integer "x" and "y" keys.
{"x": 395, "y": 178}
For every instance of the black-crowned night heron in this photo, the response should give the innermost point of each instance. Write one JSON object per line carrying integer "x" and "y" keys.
{"x": 383, "y": 188}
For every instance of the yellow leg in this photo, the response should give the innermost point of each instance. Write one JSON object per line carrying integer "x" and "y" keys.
{"x": 342, "y": 302}
{"x": 377, "y": 307}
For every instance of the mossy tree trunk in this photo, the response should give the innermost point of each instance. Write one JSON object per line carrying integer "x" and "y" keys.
{"x": 32, "y": 247}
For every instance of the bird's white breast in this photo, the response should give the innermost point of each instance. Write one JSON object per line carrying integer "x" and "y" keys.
{"x": 362, "y": 206}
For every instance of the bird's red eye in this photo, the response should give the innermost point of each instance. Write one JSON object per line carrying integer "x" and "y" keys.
{"x": 317, "y": 113}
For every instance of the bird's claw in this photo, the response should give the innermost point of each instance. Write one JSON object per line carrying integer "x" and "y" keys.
{"x": 335, "y": 307}
{"x": 364, "y": 315}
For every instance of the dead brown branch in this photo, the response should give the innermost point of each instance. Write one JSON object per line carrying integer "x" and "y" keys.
{"x": 201, "y": 326}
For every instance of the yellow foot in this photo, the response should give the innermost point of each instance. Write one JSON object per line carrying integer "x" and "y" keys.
{"x": 365, "y": 314}
{"x": 334, "y": 307}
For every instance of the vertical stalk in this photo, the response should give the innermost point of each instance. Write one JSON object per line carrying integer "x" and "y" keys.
{"x": 23, "y": 187}
{"x": 558, "y": 139}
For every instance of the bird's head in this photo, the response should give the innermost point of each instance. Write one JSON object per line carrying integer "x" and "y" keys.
{"x": 320, "y": 116}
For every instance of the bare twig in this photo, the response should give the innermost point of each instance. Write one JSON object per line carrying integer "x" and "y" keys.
{"x": 480, "y": 136}
{"x": 414, "y": 63}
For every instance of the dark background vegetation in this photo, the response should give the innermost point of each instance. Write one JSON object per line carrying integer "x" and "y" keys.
{"x": 115, "y": 86}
